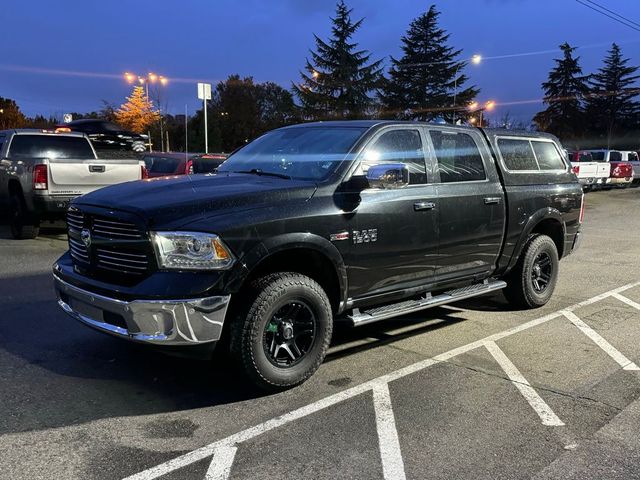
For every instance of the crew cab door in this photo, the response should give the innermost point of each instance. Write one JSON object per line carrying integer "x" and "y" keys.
{"x": 394, "y": 242}
{"x": 470, "y": 204}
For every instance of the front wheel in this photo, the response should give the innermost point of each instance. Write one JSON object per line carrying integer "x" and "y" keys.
{"x": 532, "y": 281}
{"x": 283, "y": 334}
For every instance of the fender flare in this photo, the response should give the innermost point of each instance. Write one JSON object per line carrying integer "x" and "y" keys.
{"x": 291, "y": 241}
{"x": 532, "y": 222}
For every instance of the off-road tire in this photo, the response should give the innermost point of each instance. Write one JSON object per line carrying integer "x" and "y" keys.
{"x": 520, "y": 291}
{"x": 23, "y": 226}
{"x": 261, "y": 300}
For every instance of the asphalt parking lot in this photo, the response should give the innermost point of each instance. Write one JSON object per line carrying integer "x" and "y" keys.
{"x": 473, "y": 390}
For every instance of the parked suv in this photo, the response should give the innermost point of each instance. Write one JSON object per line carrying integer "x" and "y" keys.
{"x": 357, "y": 221}
{"x": 107, "y": 135}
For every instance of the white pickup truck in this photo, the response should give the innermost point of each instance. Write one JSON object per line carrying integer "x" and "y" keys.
{"x": 41, "y": 171}
{"x": 591, "y": 173}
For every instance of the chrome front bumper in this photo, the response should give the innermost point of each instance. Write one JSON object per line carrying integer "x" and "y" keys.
{"x": 161, "y": 322}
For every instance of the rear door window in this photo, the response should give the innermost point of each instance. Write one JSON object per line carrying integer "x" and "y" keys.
{"x": 615, "y": 156}
{"x": 547, "y": 156}
{"x": 49, "y": 146}
{"x": 162, "y": 164}
{"x": 457, "y": 156}
{"x": 398, "y": 146}
{"x": 633, "y": 156}
{"x": 598, "y": 156}
{"x": 517, "y": 154}
{"x": 586, "y": 157}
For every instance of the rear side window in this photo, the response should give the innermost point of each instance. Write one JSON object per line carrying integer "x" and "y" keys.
{"x": 398, "y": 146}
{"x": 49, "y": 146}
{"x": 598, "y": 156}
{"x": 458, "y": 157}
{"x": 548, "y": 156}
{"x": 162, "y": 164}
{"x": 517, "y": 154}
{"x": 586, "y": 157}
{"x": 615, "y": 156}
{"x": 633, "y": 156}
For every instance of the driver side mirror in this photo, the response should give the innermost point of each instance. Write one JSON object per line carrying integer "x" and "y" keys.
{"x": 388, "y": 176}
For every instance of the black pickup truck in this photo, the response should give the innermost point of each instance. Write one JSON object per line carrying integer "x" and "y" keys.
{"x": 353, "y": 221}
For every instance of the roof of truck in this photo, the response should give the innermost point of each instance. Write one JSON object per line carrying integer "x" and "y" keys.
{"x": 40, "y": 131}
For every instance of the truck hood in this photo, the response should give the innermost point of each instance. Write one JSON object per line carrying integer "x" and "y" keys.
{"x": 173, "y": 201}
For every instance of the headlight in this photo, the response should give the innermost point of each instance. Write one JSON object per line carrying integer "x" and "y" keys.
{"x": 191, "y": 251}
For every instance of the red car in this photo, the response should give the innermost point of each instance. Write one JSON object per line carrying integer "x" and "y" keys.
{"x": 168, "y": 164}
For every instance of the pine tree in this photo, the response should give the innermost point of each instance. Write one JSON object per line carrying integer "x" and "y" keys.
{"x": 137, "y": 113}
{"x": 612, "y": 107}
{"x": 10, "y": 114}
{"x": 426, "y": 82}
{"x": 564, "y": 91}
{"x": 339, "y": 79}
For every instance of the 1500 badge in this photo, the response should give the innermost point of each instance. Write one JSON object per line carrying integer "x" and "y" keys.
{"x": 365, "y": 236}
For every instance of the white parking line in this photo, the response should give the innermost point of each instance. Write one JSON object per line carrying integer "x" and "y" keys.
{"x": 543, "y": 410}
{"x": 392, "y": 463}
{"x": 626, "y": 300}
{"x": 612, "y": 351}
{"x": 249, "y": 433}
{"x": 220, "y": 467}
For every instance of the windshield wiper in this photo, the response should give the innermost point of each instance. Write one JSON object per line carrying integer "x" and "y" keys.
{"x": 258, "y": 171}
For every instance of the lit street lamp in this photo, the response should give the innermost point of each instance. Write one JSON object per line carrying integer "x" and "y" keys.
{"x": 475, "y": 59}
{"x": 489, "y": 105}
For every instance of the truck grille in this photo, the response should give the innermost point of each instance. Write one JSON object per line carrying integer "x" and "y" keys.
{"x": 107, "y": 247}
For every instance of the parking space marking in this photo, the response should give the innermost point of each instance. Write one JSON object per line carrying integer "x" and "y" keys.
{"x": 220, "y": 467}
{"x": 626, "y": 300}
{"x": 548, "y": 417}
{"x": 252, "y": 432}
{"x": 612, "y": 351}
{"x": 392, "y": 463}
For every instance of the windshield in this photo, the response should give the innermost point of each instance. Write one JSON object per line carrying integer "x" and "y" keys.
{"x": 306, "y": 153}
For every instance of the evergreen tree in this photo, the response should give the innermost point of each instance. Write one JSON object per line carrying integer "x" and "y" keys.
{"x": 564, "y": 91}
{"x": 612, "y": 107}
{"x": 427, "y": 81}
{"x": 137, "y": 113}
{"x": 10, "y": 114}
{"x": 339, "y": 78}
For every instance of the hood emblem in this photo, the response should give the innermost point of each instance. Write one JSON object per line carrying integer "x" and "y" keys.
{"x": 85, "y": 236}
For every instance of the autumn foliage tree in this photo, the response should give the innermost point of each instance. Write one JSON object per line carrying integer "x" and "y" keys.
{"x": 137, "y": 113}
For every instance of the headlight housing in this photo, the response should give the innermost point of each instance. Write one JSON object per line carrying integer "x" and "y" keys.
{"x": 191, "y": 251}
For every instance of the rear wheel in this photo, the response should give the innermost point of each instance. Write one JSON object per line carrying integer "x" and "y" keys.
{"x": 23, "y": 225}
{"x": 282, "y": 335}
{"x": 533, "y": 280}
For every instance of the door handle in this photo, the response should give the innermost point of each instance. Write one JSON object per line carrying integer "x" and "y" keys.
{"x": 423, "y": 206}
{"x": 96, "y": 168}
{"x": 491, "y": 200}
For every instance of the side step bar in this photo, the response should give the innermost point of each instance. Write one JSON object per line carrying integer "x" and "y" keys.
{"x": 375, "y": 314}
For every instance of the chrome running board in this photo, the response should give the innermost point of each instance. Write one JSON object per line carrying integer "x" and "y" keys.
{"x": 375, "y": 314}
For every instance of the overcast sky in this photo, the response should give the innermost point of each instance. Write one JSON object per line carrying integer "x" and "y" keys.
{"x": 68, "y": 55}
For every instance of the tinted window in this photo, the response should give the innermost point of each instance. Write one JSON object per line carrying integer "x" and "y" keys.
{"x": 311, "y": 153}
{"x": 548, "y": 156}
{"x": 1, "y": 142}
{"x": 615, "y": 156}
{"x": 398, "y": 146}
{"x": 162, "y": 164}
{"x": 598, "y": 156}
{"x": 206, "y": 165}
{"x": 633, "y": 156}
{"x": 49, "y": 146}
{"x": 585, "y": 157}
{"x": 458, "y": 157}
{"x": 517, "y": 154}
